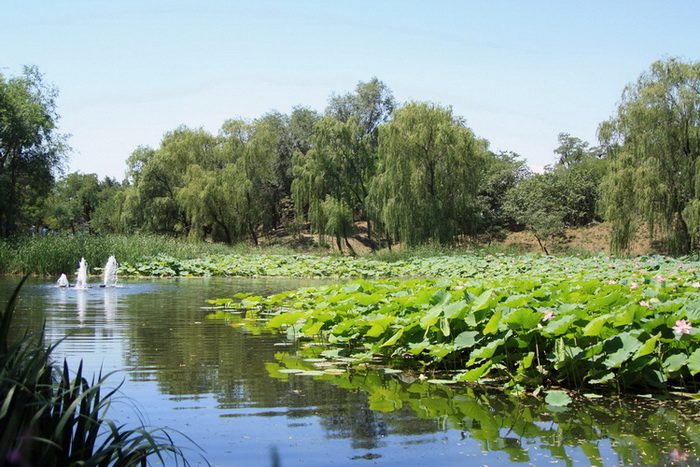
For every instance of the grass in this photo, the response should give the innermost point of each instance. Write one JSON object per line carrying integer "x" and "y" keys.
{"x": 54, "y": 255}
{"x": 51, "y": 417}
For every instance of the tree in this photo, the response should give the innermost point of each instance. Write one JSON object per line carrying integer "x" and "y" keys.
{"x": 107, "y": 213}
{"x": 371, "y": 105}
{"x": 504, "y": 171}
{"x": 547, "y": 203}
{"x": 74, "y": 200}
{"x": 343, "y": 154}
{"x": 538, "y": 205}
{"x": 289, "y": 134}
{"x": 252, "y": 150}
{"x": 340, "y": 165}
{"x": 653, "y": 142}
{"x": 157, "y": 177}
{"x": 31, "y": 151}
{"x": 571, "y": 150}
{"x": 430, "y": 167}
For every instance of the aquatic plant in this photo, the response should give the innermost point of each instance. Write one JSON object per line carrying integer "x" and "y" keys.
{"x": 50, "y": 416}
{"x": 522, "y": 323}
{"x": 527, "y": 428}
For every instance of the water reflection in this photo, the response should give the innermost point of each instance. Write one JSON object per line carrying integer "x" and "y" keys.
{"x": 601, "y": 431}
{"x": 225, "y": 385}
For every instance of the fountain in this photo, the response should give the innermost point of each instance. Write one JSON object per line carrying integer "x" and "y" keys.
{"x": 81, "y": 279}
{"x": 62, "y": 281}
{"x": 110, "y": 273}
{"x": 109, "y": 278}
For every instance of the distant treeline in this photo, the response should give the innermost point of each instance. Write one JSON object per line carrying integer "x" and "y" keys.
{"x": 411, "y": 173}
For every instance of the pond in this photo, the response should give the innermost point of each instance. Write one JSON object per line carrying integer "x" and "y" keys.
{"x": 221, "y": 385}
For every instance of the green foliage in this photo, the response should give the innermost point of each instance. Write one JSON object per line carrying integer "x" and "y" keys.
{"x": 151, "y": 203}
{"x": 573, "y": 151}
{"x": 428, "y": 177}
{"x": 521, "y": 322}
{"x": 224, "y": 188}
{"x": 504, "y": 171}
{"x": 371, "y": 105}
{"x": 340, "y": 166}
{"x": 82, "y": 203}
{"x": 537, "y": 204}
{"x": 48, "y": 416}
{"x": 654, "y": 143}
{"x": 342, "y": 160}
{"x": 31, "y": 150}
{"x": 561, "y": 197}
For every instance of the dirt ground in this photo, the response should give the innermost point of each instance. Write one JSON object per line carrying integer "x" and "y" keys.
{"x": 592, "y": 239}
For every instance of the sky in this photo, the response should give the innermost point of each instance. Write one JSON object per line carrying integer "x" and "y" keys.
{"x": 519, "y": 72}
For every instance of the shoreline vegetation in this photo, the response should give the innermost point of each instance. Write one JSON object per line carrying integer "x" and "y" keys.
{"x": 523, "y": 322}
{"x": 52, "y": 255}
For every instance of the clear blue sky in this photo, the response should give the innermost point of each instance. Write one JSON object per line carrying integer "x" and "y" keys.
{"x": 520, "y": 72}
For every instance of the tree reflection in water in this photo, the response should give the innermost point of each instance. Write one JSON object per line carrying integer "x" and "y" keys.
{"x": 217, "y": 367}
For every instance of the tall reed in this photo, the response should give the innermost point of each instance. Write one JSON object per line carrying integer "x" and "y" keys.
{"x": 60, "y": 254}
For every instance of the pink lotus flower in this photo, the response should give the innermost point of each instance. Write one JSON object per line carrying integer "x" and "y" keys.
{"x": 612, "y": 281}
{"x": 645, "y": 303}
{"x": 548, "y": 314}
{"x": 459, "y": 287}
{"x": 634, "y": 285}
{"x": 678, "y": 456}
{"x": 660, "y": 278}
{"x": 696, "y": 285}
{"x": 682, "y": 327}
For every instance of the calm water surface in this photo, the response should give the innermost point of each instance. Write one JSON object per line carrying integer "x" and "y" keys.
{"x": 221, "y": 385}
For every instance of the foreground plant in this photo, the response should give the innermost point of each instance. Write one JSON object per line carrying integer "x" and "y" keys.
{"x": 48, "y": 417}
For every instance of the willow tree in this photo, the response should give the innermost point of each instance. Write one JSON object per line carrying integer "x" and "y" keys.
{"x": 430, "y": 167}
{"x": 206, "y": 197}
{"x": 654, "y": 143}
{"x": 340, "y": 166}
{"x": 249, "y": 174}
{"x": 152, "y": 203}
{"x": 332, "y": 179}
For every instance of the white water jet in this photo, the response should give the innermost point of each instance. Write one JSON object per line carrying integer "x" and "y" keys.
{"x": 62, "y": 281}
{"x": 109, "y": 278}
{"x": 81, "y": 279}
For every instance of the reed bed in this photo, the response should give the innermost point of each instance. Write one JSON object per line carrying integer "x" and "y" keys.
{"x": 50, "y": 255}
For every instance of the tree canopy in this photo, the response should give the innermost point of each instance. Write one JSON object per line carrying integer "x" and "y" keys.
{"x": 653, "y": 142}
{"x": 31, "y": 150}
{"x": 412, "y": 173}
{"x": 430, "y": 166}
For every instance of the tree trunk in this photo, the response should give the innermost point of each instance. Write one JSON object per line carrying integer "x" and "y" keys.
{"x": 337, "y": 242}
{"x": 680, "y": 243}
{"x": 347, "y": 242}
{"x": 544, "y": 248}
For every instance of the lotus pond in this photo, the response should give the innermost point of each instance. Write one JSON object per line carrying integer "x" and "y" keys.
{"x": 475, "y": 364}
